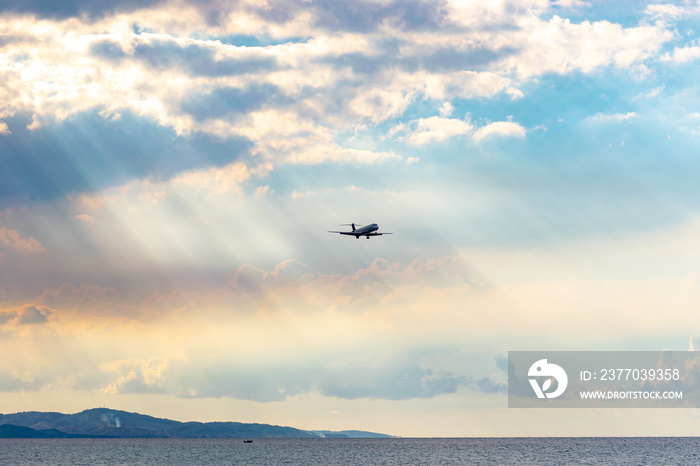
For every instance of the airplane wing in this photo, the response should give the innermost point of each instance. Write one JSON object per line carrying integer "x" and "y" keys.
{"x": 344, "y": 232}
{"x": 377, "y": 234}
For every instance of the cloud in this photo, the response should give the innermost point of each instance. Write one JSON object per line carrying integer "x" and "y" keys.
{"x": 654, "y": 92}
{"x": 85, "y": 218}
{"x": 12, "y": 239}
{"x": 446, "y": 109}
{"x": 670, "y": 13}
{"x": 437, "y": 128}
{"x": 290, "y": 286}
{"x": 249, "y": 280}
{"x": 300, "y": 194}
{"x": 502, "y": 363}
{"x": 72, "y": 8}
{"x": 326, "y": 68}
{"x": 195, "y": 57}
{"x": 515, "y": 93}
{"x": 562, "y": 47}
{"x": 85, "y": 154}
{"x": 137, "y": 376}
{"x": 33, "y": 315}
{"x": 426, "y": 130}
{"x": 487, "y": 385}
{"x": 501, "y": 129}
{"x": 686, "y": 54}
{"x": 26, "y": 315}
{"x": 694, "y": 343}
{"x": 84, "y": 299}
{"x": 571, "y": 3}
{"x": 216, "y": 181}
{"x": 388, "y": 331}
{"x": 613, "y": 118}
{"x": 9, "y": 382}
{"x": 391, "y": 376}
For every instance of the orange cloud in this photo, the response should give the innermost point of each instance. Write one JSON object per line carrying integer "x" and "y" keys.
{"x": 12, "y": 239}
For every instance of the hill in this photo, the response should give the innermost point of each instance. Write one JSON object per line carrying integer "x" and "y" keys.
{"x": 103, "y": 422}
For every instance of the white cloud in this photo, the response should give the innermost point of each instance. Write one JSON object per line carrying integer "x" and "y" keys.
{"x": 446, "y": 109}
{"x": 615, "y": 117}
{"x": 560, "y": 46}
{"x": 515, "y": 93}
{"x": 684, "y": 54}
{"x": 300, "y": 194}
{"x": 669, "y": 13}
{"x": 571, "y": 3}
{"x": 500, "y": 128}
{"x": 435, "y": 128}
{"x": 654, "y": 92}
{"x": 263, "y": 191}
{"x": 216, "y": 181}
{"x": 694, "y": 343}
{"x": 284, "y": 137}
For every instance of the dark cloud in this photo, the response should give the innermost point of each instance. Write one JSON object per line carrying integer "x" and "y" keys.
{"x": 107, "y": 49}
{"x": 249, "y": 280}
{"x": 448, "y": 59}
{"x": 487, "y": 385}
{"x": 502, "y": 363}
{"x": 361, "y": 16}
{"x": 196, "y": 59}
{"x": 87, "y": 152}
{"x": 225, "y": 102}
{"x": 70, "y": 8}
{"x": 387, "y": 55}
{"x": 38, "y": 379}
{"x": 10, "y": 383}
{"x": 356, "y": 16}
{"x": 389, "y": 376}
{"x": 391, "y": 379}
{"x": 360, "y": 63}
{"x": 33, "y": 315}
{"x": 25, "y": 316}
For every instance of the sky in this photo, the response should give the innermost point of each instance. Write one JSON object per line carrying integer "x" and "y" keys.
{"x": 169, "y": 170}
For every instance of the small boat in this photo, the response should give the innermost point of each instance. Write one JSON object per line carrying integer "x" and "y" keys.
{"x": 247, "y": 441}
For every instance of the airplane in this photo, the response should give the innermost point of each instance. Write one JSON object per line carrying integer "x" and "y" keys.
{"x": 367, "y": 230}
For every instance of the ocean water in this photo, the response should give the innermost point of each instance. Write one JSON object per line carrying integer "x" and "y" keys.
{"x": 520, "y": 451}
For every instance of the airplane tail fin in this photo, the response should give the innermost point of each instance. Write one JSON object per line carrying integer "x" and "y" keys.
{"x": 350, "y": 224}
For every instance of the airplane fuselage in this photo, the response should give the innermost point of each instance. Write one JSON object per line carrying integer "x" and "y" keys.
{"x": 366, "y": 229}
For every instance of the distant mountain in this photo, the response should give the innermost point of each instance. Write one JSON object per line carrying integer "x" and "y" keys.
{"x": 350, "y": 434}
{"x": 103, "y": 422}
{"x": 13, "y": 431}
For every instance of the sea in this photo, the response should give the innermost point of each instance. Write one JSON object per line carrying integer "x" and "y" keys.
{"x": 395, "y": 451}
